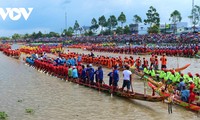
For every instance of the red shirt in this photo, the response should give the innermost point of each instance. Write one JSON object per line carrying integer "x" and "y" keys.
{"x": 192, "y": 86}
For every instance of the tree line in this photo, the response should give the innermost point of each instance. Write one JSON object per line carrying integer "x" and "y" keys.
{"x": 115, "y": 24}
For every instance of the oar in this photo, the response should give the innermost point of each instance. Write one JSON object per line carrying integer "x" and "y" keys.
{"x": 131, "y": 84}
{"x": 112, "y": 89}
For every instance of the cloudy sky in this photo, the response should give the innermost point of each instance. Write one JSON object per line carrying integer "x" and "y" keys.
{"x": 49, "y": 15}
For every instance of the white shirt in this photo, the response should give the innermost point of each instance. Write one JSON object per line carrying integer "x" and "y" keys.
{"x": 127, "y": 74}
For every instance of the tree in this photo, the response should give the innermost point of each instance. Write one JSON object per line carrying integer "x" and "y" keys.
{"x": 127, "y": 30}
{"x": 39, "y": 34}
{"x": 102, "y": 22}
{"x": 152, "y": 18}
{"x": 112, "y": 22}
{"x": 122, "y": 18}
{"x": 76, "y": 26}
{"x": 71, "y": 30}
{"x": 15, "y": 36}
{"x": 137, "y": 19}
{"x": 195, "y": 16}
{"x": 89, "y": 33}
{"x": 94, "y": 25}
{"x": 119, "y": 30}
{"x": 153, "y": 29}
{"x": 26, "y": 36}
{"x": 174, "y": 18}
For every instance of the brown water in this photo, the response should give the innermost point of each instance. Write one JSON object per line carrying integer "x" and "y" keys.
{"x": 54, "y": 99}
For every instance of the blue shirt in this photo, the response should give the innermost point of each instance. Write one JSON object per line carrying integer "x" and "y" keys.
{"x": 100, "y": 74}
{"x": 83, "y": 74}
{"x": 74, "y": 73}
{"x": 185, "y": 95}
{"x": 116, "y": 75}
{"x": 79, "y": 58}
{"x": 180, "y": 85}
{"x": 91, "y": 73}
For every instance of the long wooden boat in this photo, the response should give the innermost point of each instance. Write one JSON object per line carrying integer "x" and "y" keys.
{"x": 120, "y": 93}
{"x": 192, "y": 107}
{"x": 179, "y": 69}
{"x": 141, "y": 73}
{"x": 16, "y": 57}
{"x": 117, "y": 92}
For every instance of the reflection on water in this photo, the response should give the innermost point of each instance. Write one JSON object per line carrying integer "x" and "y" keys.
{"x": 54, "y": 99}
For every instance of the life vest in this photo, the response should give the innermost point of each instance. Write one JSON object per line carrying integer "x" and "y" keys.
{"x": 163, "y": 60}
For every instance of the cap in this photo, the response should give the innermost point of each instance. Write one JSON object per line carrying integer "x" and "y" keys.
{"x": 197, "y": 74}
{"x": 190, "y": 81}
{"x": 189, "y": 73}
{"x": 182, "y": 74}
{"x": 74, "y": 67}
{"x": 90, "y": 65}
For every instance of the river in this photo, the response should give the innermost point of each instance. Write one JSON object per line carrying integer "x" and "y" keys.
{"x": 55, "y": 99}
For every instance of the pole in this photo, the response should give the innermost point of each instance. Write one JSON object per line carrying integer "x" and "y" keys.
{"x": 65, "y": 20}
{"x": 193, "y": 15}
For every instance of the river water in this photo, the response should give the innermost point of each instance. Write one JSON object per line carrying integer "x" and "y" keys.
{"x": 54, "y": 99}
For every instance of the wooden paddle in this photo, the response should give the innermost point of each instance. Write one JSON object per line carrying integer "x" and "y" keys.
{"x": 131, "y": 82}
{"x": 112, "y": 89}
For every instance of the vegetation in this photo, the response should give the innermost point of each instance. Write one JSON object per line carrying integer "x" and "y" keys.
{"x": 195, "y": 16}
{"x": 174, "y": 18}
{"x": 122, "y": 19}
{"x": 116, "y": 25}
{"x": 153, "y": 19}
{"x": 3, "y": 116}
{"x": 30, "y": 111}
{"x": 76, "y": 26}
{"x": 137, "y": 19}
{"x": 94, "y": 25}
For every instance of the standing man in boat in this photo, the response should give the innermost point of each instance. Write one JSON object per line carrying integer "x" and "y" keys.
{"x": 127, "y": 78}
{"x": 115, "y": 77}
{"x": 163, "y": 60}
{"x": 91, "y": 74}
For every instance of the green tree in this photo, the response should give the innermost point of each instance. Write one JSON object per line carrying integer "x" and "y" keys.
{"x": 119, "y": 30}
{"x": 76, "y": 26}
{"x": 71, "y": 30}
{"x": 153, "y": 18}
{"x": 153, "y": 29}
{"x": 112, "y": 22}
{"x": 122, "y": 19}
{"x": 89, "y": 33}
{"x": 137, "y": 19}
{"x": 15, "y": 36}
{"x": 174, "y": 18}
{"x": 195, "y": 16}
{"x": 39, "y": 34}
{"x": 26, "y": 36}
{"x": 94, "y": 25}
{"x": 102, "y": 22}
{"x": 127, "y": 30}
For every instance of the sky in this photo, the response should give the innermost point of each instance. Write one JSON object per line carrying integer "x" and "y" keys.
{"x": 49, "y": 15}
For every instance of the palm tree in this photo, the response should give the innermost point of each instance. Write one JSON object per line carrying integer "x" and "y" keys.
{"x": 174, "y": 18}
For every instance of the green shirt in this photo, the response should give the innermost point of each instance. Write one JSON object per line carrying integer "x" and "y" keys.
{"x": 70, "y": 72}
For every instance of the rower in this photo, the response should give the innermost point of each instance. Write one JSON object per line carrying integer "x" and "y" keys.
{"x": 163, "y": 60}
{"x": 127, "y": 78}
